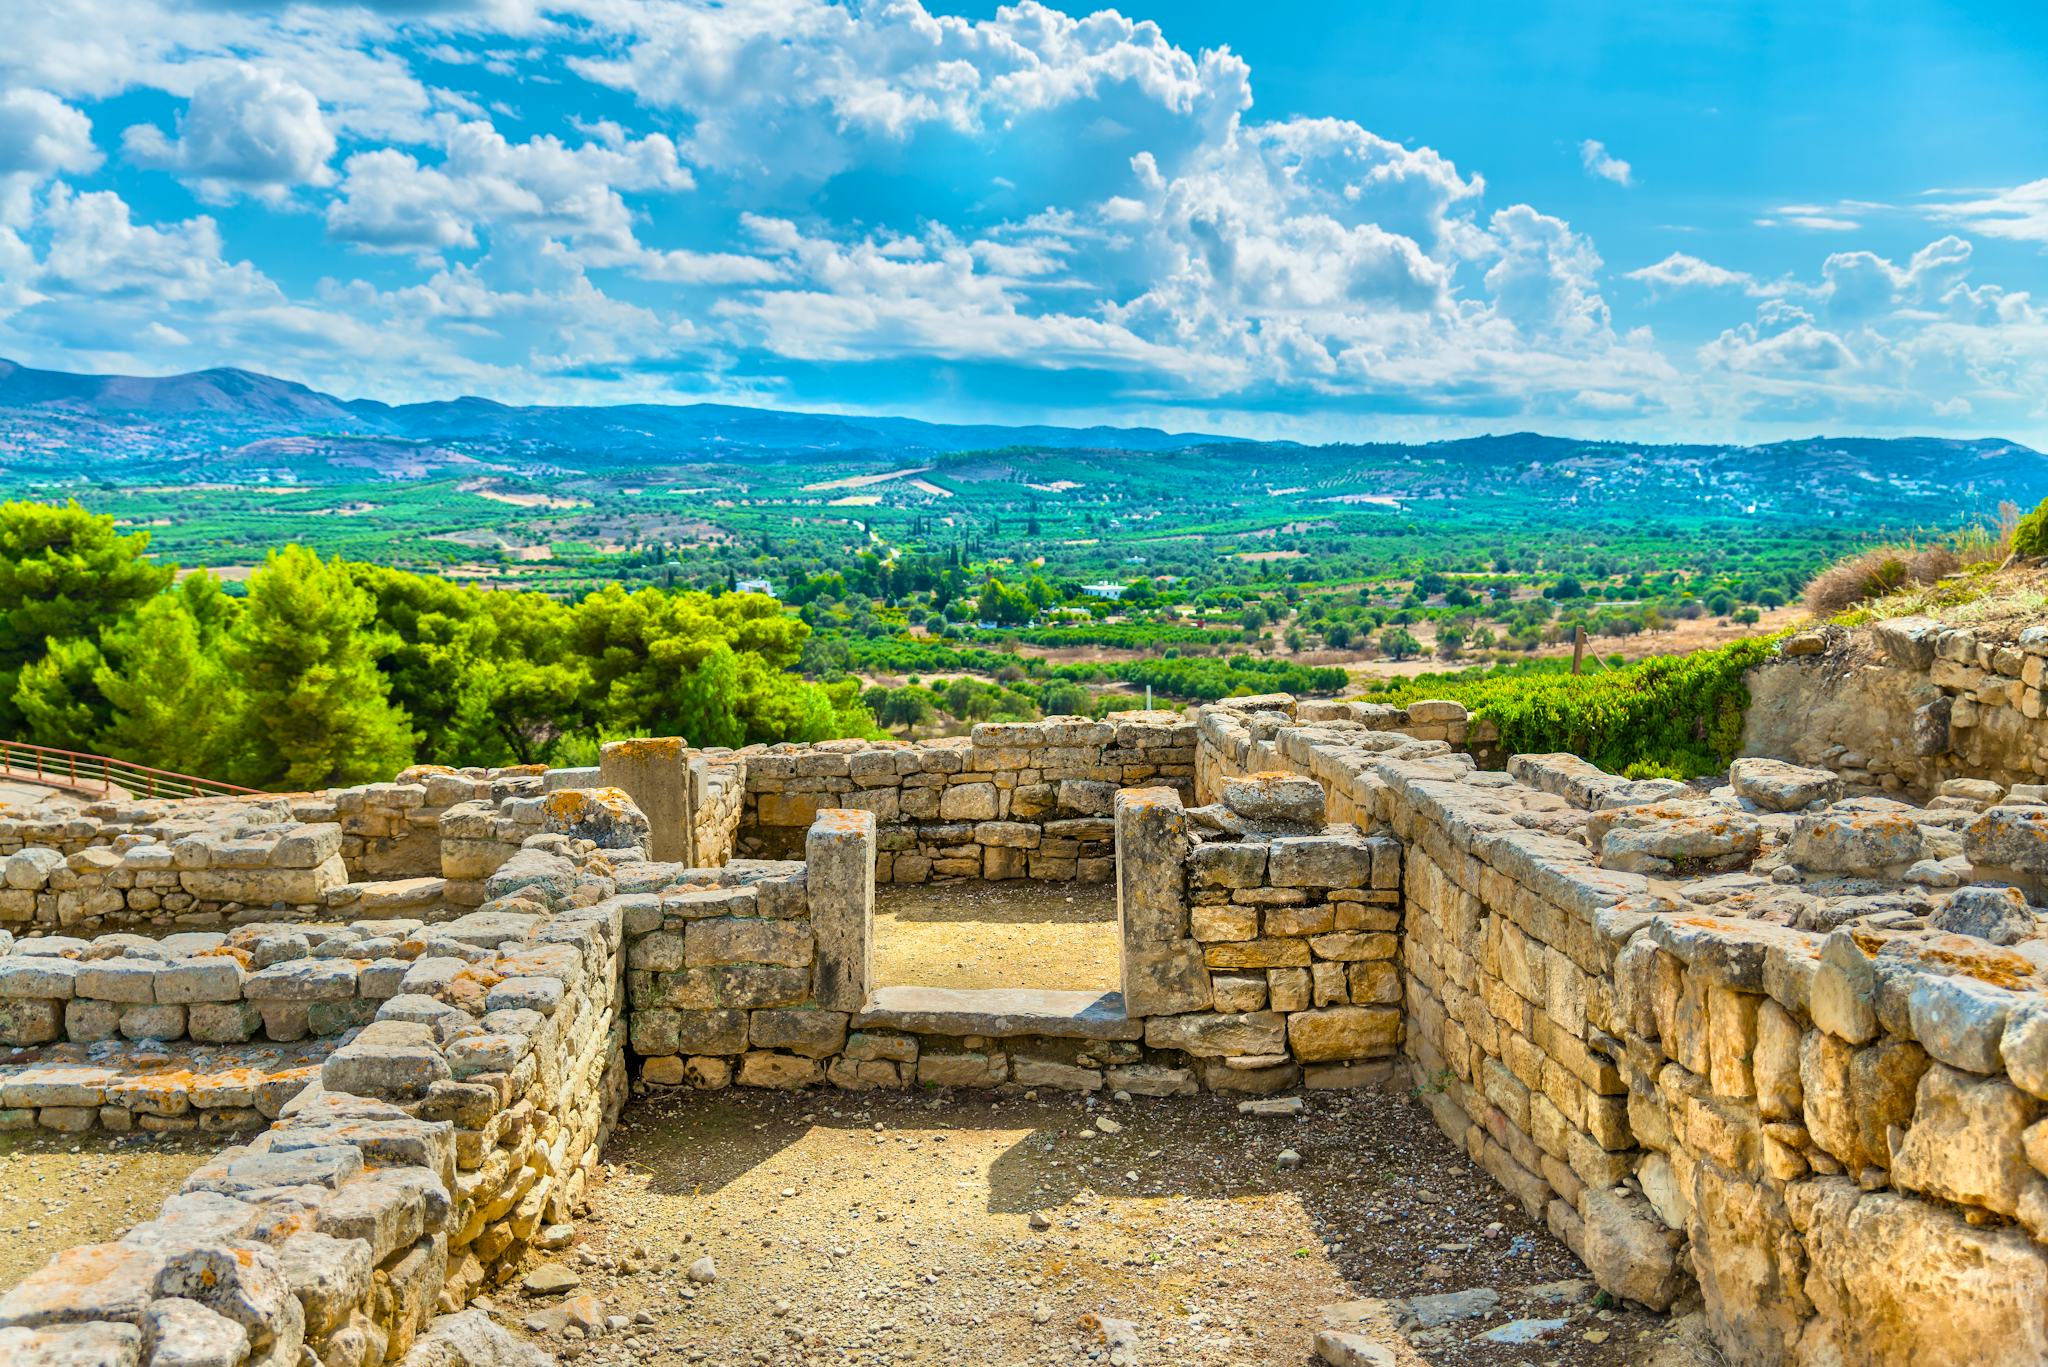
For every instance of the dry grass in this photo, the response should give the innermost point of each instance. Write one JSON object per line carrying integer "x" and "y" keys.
{"x": 1997, "y": 602}
{"x": 1887, "y": 571}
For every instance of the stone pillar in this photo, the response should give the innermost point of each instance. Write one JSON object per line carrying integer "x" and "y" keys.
{"x": 656, "y": 774}
{"x": 1162, "y": 971}
{"x": 839, "y": 857}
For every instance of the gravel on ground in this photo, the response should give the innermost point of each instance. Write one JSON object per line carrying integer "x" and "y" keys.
{"x": 764, "y": 1229}
{"x": 59, "y": 1191}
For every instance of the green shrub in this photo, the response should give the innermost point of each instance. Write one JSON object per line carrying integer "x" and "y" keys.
{"x": 1668, "y": 717}
{"x": 2030, "y": 537}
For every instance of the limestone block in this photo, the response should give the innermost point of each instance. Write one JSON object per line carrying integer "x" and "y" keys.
{"x": 118, "y": 980}
{"x": 755, "y": 985}
{"x": 734, "y": 940}
{"x": 262, "y": 887}
{"x": 1965, "y": 1143}
{"x": 1897, "y": 1279}
{"x": 1324, "y": 861}
{"x": 1146, "y": 1079}
{"x": 1777, "y": 786}
{"x": 964, "y": 1069}
{"x": 1960, "y": 1020}
{"x": 1275, "y": 799}
{"x": 1227, "y": 922}
{"x": 307, "y": 847}
{"x": 1287, "y": 989}
{"x": 1229, "y": 864}
{"x": 1995, "y": 914}
{"x": 393, "y": 1059}
{"x": 2009, "y": 838}
{"x": 1867, "y": 839}
{"x": 1219, "y": 1036}
{"x": 30, "y": 1020}
{"x": 969, "y": 802}
{"x": 1087, "y": 797}
{"x": 1842, "y": 994}
{"x": 607, "y": 817}
{"x": 188, "y": 1334}
{"x": 812, "y": 1034}
{"x": 654, "y": 773}
{"x": 303, "y": 980}
{"x": 2024, "y": 1046}
{"x": 1164, "y": 979}
{"x": 1257, "y": 954}
{"x": 1745, "y": 1252}
{"x": 29, "y": 870}
{"x": 1629, "y": 1249}
{"x": 840, "y": 864}
{"x": 1150, "y": 861}
{"x": 208, "y": 978}
{"x": 781, "y": 1071}
{"x": 1238, "y": 992}
{"x": 1343, "y": 1032}
{"x": 1775, "y": 1063}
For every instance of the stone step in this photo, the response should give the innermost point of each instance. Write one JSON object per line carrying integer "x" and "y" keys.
{"x": 999, "y": 1013}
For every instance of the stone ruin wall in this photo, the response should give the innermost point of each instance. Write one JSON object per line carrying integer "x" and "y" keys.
{"x": 397, "y": 1175}
{"x": 1754, "y": 1050}
{"x": 1906, "y": 706}
{"x": 1257, "y": 955}
{"x": 1793, "y": 1098}
{"x": 1010, "y": 800}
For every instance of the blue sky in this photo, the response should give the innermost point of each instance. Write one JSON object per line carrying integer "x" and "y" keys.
{"x": 1716, "y": 221}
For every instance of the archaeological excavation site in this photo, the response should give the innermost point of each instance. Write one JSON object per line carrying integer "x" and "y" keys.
{"x": 1274, "y": 1032}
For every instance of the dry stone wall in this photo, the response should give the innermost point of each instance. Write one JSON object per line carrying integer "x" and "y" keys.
{"x": 1778, "y": 1049}
{"x": 1773, "y": 1050}
{"x": 1906, "y": 706}
{"x": 402, "y": 1169}
{"x": 1010, "y": 800}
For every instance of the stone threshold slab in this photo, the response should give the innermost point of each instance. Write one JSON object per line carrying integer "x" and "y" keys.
{"x": 999, "y": 1012}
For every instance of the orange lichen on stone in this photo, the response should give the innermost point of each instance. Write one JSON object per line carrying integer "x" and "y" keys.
{"x": 577, "y": 804}
{"x": 849, "y": 820}
{"x": 1962, "y": 956}
{"x": 649, "y": 748}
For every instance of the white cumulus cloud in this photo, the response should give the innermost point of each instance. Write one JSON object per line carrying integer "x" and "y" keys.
{"x": 247, "y": 129}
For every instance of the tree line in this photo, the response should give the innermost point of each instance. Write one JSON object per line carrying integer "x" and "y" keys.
{"x": 325, "y": 672}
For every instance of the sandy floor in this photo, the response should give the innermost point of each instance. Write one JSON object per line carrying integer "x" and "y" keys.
{"x": 899, "y": 1229}
{"x": 61, "y": 1191}
{"x": 1018, "y": 933}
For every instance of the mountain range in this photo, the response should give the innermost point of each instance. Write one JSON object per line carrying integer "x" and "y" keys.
{"x": 234, "y": 425}
{"x": 238, "y": 399}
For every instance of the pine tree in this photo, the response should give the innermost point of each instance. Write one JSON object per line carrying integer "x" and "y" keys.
{"x": 64, "y": 573}
{"x": 315, "y": 711}
{"x": 172, "y": 700}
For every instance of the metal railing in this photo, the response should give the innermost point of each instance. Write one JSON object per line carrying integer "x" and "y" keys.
{"x": 99, "y": 774}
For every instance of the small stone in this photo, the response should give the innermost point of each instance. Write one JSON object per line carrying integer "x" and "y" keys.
{"x": 550, "y": 1279}
{"x": 1039, "y": 1220}
{"x": 1341, "y": 1349}
{"x": 1271, "y": 1105}
{"x": 1288, "y": 1160}
{"x": 1523, "y": 1331}
{"x": 704, "y": 1272}
{"x": 1108, "y": 1126}
{"x": 1998, "y": 915}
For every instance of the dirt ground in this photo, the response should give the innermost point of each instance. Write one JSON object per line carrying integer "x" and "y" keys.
{"x": 976, "y": 1230}
{"x": 61, "y": 1191}
{"x": 1017, "y": 933}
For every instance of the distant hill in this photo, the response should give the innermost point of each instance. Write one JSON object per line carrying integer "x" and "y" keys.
{"x": 244, "y": 400}
{"x": 232, "y": 426}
